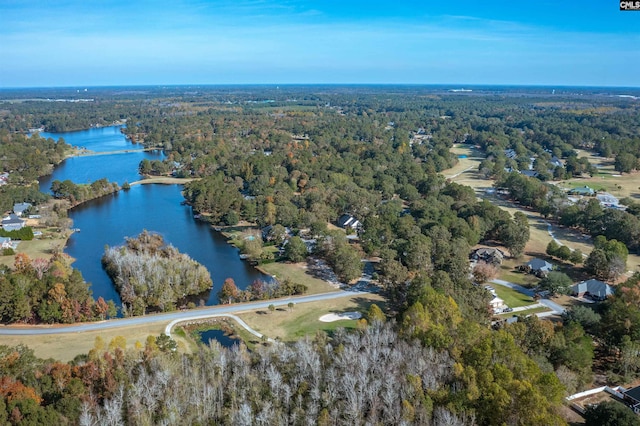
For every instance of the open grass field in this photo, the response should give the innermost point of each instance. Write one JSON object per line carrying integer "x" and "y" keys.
{"x": 297, "y": 273}
{"x": 303, "y": 320}
{"x": 509, "y": 273}
{"x": 65, "y": 347}
{"x": 37, "y": 248}
{"x": 471, "y": 162}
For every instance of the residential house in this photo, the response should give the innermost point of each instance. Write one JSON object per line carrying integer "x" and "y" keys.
{"x": 582, "y": 190}
{"x": 607, "y": 200}
{"x": 267, "y": 235}
{"x": 5, "y": 242}
{"x": 497, "y": 305}
{"x": 510, "y": 153}
{"x": 20, "y": 208}
{"x": 347, "y": 221}
{"x": 492, "y": 256}
{"x": 596, "y": 289}
{"x": 538, "y": 267}
{"x": 556, "y": 162}
{"x": 310, "y": 243}
{"x": 12, "y": 223}
{"x": 632, "y": 397}
{"x": 504, "y": 321}
{"x": 529, "y": 173}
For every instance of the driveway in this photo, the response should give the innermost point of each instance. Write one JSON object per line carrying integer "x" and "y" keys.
{"x": 557, "y": 309}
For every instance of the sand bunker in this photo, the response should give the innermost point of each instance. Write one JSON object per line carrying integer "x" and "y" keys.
{"x": 337, "y": 317}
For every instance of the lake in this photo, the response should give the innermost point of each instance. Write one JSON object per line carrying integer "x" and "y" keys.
{"x": 86, "y": 169}
{"x": 156, "y": 208}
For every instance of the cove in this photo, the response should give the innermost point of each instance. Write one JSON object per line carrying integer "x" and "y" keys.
{"x": 156, "y": 208}
{"x": 86, "y": 169}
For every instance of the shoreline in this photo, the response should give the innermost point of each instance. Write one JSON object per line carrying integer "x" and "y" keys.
{"x": 163, "y": 180}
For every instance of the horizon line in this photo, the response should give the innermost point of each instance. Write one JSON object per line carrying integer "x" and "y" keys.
{"x": 453, "y": 85}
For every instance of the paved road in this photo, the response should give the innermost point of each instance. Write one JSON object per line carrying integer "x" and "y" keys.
{"x": 557, "y": 309}
{"x": 171, "y": 316}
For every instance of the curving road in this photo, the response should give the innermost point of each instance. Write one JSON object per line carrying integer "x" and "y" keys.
{"x": 172, "y": 316}
{"x": 169, "y": 327}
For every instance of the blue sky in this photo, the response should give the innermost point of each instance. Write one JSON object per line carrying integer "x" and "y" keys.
{"x": 115, "y": 42}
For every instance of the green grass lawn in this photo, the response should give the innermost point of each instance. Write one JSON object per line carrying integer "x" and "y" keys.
{"x": 303, "y": 320}
{"x": 512, "y": 298}
{"x": 294, "y": 325}
{"x": 525, "y": 280}
{"x": 297, "y": 274}
{"x": 42, "y": 247}
{"x": 308, "y": 325}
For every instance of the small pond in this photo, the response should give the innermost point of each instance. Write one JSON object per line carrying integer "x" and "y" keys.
{"x": 220, "y": 336}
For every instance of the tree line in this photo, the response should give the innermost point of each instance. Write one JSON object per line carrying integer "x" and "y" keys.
{"x": 78, "y": 193}
{"x": 259, "y": 290}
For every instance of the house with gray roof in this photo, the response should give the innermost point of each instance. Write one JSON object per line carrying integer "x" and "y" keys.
{"x": 20, "y": 208}
{"x": 347, "y": 221}
{"x": 556, "y": 162}
{"x": 597, "y": 289}
{"x": 489, "y": 255}
{"x": 529, "y": 173}
{"x": 538, "y": 267}
{"x": 12, "y": 223}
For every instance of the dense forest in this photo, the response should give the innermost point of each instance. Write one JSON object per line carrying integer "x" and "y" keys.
{"x": 300, "y": 157}
{"x": 28, "y": 158}
{"x": 150, "y": 275}
{"x": 41, "y": 291}
{"x": 373, "y": 375}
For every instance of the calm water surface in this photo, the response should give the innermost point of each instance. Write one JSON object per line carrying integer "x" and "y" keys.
{"x": 100, "y": 139}
{"x": 156, "y": 208}
{"x": 115, "y": 167}
{"x": 218, "y": 335}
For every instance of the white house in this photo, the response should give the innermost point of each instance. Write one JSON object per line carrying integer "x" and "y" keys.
{"x": 348, "y": 221}
{"x": 497, "y": 305}
{"x": 5, "y": 242}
